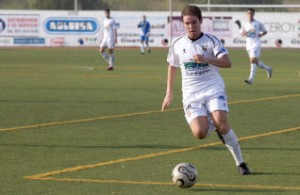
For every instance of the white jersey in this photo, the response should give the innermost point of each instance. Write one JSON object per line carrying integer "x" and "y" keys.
{"x": 109, "y": 27}
{"x": 253, "y": 29}
{"x": 199, "y": 80}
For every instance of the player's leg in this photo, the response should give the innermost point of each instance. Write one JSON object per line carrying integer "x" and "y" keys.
{"x": 102, "y": 50}
{"x": 142, "y": 47}
{"x": 219, "y": 112}
{"x": 199, "y": 127}
{"x": 196, "y": 116}
{"x": 111, "y": 58}
{"x": 260, "y": 64}
{"x": 253, "y": 56}
{"x": 268, "y": 69}
{"x": 147, "y": 43}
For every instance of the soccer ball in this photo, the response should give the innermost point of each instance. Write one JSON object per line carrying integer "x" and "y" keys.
{"x": 184, "y": 175}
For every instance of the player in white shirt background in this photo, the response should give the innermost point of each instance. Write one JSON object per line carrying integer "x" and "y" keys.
{"x": 253, "y": 30}
{"x": 108, "y": 39}
{"x": 199, "y": 56}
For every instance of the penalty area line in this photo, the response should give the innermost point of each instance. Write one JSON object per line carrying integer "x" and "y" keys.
{"x": 151, "y": 155}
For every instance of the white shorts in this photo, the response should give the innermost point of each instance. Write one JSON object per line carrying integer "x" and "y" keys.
{"x": 196, "y": 109}
{"x": 107, "y": 43}
{"x": 254, "y": 52}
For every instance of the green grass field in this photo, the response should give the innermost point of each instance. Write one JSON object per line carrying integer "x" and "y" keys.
{"x": 70, "y": 127}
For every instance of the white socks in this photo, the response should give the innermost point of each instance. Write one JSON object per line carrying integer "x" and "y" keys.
{"x": 252, "y": 72}
{"x": 233, "y": 146}
{"x": 142, "y": 48}
{"x": 105, "y": 56}
{"x": 254, "y": 67}
{"x": 110, "y": 59}
{"x": 263, "y": 66}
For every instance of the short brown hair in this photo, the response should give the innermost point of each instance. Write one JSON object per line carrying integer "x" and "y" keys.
{"x": 251, "y": 9}
{"x": 191, "y": 10}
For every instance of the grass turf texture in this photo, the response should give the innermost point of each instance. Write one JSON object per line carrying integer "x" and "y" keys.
{"x": 70, "y": 127}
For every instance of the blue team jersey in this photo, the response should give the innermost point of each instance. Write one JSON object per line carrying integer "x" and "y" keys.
{"x": 145, "y": 27}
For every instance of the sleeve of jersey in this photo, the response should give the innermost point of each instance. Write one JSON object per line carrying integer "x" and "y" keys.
{"x": 218, "y": 49}
{"x": 262, "y": 28}
{"x": 114, "y": 25}
{"x": 172, "y": 58}
{"x": 242, "y": 29}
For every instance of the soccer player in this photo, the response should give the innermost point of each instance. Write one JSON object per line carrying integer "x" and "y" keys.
{"x": 109, "y": 39}
{"x": 145, "y": 33}
{"x": 199, "y": 56}
{"x": 253, "y": 30}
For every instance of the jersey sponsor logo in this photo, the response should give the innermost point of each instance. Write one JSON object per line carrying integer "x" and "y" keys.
{"x": 195, "y": 65}
{"x": 251, "y": 34}
{"x": 194, "y": 68}
{"x": 69, "y": 25}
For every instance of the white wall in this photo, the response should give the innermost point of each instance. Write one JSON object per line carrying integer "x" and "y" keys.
{"x": 64, "y": 28}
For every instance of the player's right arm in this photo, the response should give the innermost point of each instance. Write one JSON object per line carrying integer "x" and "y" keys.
{"x": 170, "y": 83}
{"x": 243, "y": 31}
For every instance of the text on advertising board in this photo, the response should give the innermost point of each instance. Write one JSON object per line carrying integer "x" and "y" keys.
{"x": 78, "y": 25}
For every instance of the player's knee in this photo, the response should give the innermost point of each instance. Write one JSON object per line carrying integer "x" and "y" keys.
{"x": 223, "y": 128}
{"x": 200, "y": 133}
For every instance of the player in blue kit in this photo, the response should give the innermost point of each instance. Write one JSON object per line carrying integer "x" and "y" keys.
{"x": 145, "y": 26}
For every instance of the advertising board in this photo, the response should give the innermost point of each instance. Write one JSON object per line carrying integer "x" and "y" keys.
{"x": 83, "y": 29}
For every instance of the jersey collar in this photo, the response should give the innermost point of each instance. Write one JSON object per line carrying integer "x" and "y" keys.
{"x": 193, "y": 40}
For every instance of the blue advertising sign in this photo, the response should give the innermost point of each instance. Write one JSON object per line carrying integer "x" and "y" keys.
{"x": 29, "y": 41}
{"x": 71, "y": 25}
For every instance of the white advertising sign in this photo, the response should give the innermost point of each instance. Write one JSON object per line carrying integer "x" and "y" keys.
{"x": 64, "y": 28}
{"x": 19, "y": 25}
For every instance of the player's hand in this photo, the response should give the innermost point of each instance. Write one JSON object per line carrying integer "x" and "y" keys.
{"x": 244, "y": 33}
{"x": 199, "y": 58}
{"x": 168, "y": 99}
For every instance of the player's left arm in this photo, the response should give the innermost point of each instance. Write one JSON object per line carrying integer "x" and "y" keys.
{"x": 262, "y": 33}
{"x": 116, "y": 35}
{"x": 220, "y": 58}
{"x": 262, "y": 30}
{"x": 223, "y": 61}
{"x": 149, "y": 28}
{"x": 115, "y": 32}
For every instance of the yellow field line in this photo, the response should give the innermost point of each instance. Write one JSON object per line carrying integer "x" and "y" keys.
{"x": 78, "y": 121}
{"x": 79, "y": 168}
{"x": 131, "y": 114}
{"x": 264, "y": 99}
{"x": 171, "y": 184}
{"x": 84, "y": 167}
